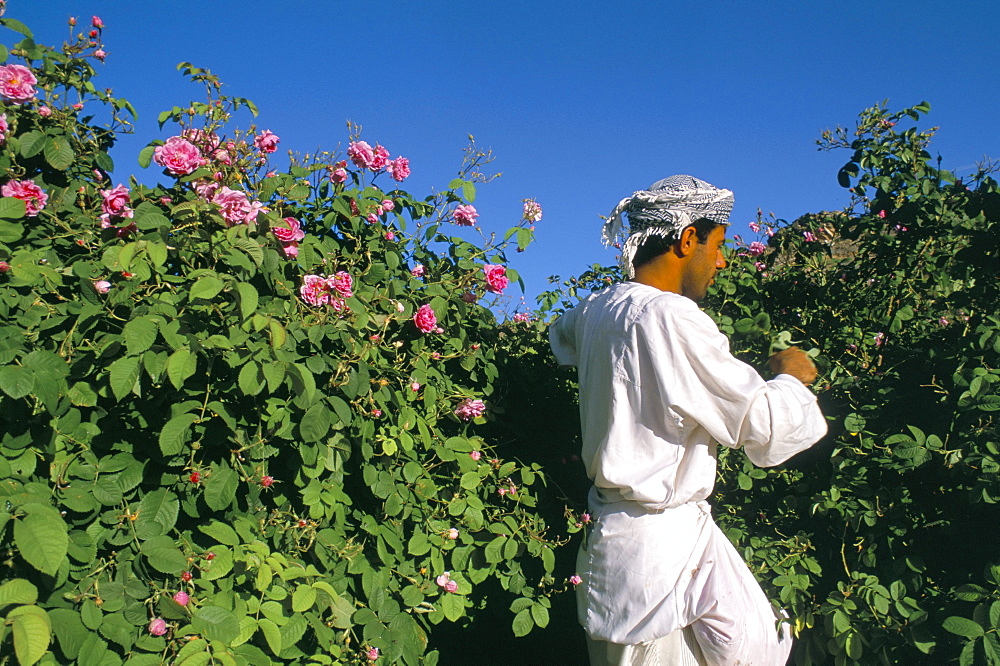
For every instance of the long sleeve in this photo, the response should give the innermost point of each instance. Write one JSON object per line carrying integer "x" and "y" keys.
{"x": 562, "y": 339}
{"x": 706, "y": 385}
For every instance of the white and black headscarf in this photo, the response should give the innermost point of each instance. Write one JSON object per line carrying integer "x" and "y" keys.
{"x": 665, "y": 209}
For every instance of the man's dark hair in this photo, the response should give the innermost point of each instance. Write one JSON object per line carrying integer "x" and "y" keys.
{"x": 654, "y": 246}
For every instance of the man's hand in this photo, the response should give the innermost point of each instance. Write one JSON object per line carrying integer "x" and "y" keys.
{"x": 793, "y": 361}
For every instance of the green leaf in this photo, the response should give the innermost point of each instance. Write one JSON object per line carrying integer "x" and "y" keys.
{"x": 32, "y": 143}
{"x": 540, "y": 614}
{"x": 17, "y": 26}
{"x": 248, "y": 299}
{"x": 146, "y": 156}
{"x": 181, "y": 365}
{"x": 963, "y": 627}
{"x": 124, "y": 376}
{"x": 163, "y": 555}
{"x": 221, "y": 532}
{"x": 17, "y": 591}
{"x": 220, "y": 487}
{"x": 16, "y": 381}
{"x": 303, "y": 598}
{"x": 453, "y": 606}
{"x": 469, "y": 191}
{"x": 10, "y": 231}
{"x": 271, "y": 634}
{"x": 139, "y": 335}
{"x": 206, "y": 287}
{"x": 523, "y": 623}
{"x": 93, "y": 650}
{"x": 315, "y": 423}
{"x": 470, "y": 480}
{"x": 69, "y": 630}
{"x": 32, "y": 633}
{"x": 175, "y": 434}
{"x": 217, "y": 624}
{"x": 251, "y": 379}
{"x": 58, "y": 153}
{"x": 160, "y": 506}
{"x": 12, "y": 209}
{"x": 41, "y": 537}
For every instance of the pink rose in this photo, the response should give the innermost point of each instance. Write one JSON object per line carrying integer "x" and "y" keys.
{"x": 206, "y": 189}
{"x": 475, "y": 455}
{"x": 452, "y": 533}
{"x": 754, "y": 227}
{"x": 44, "y": 111}
{"x": 522, "y": 317}
{"x": 4, "y": 127}
{"x": 424, "y": 319}
{"x": 16, "y": 83}
{"x": 469, "y": 409}
{"x": 496, "y": 278}
{"x": 157, "y": 627}
{"x": 182, "y": 598}
{"x": 116, "y": 202}
{"x": 96, "y": 22}
{"x": 418, "y": 270}
{"x": 399, "y": 169}
{"x": 756, "y": 249}
{"x": 414, "y": 386}
{"x": 808, "y": 235}
{"x": 32, "y": 195}
{"x": 102, "y": 286}
{"x": 222, "y": 157}
{"x": 532, "y": 211}
{"x": 445, "y": 581}
{"x": 338, "y": 175}
{"x": 266, "y": 141}
{"x": 4, "y": 267}
{"x": 267, "y": 481}
{"x": 314, "y": 290}
{"x": 293, "y": 232}
{"x": 342, "y": 283}
{"x": 390, "y": 236}
{"x": 387, "y": 205}
{"x": 373, "y": 654}
{"x": 465, "y": 216}
{"x": 575, "y": 580}
{"x": 881, "y": 214}
{"x": 361, "y": 154}
{"x": 178, "y": 156}
{"x": 380, "y": 158}
{"x": 100, "y": 54}
{"x": 236, "y": 207}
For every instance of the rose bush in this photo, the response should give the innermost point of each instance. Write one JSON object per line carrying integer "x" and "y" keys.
{"x": 243, "y": 412}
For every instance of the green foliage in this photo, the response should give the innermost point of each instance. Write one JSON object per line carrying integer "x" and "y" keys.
{"x": 881, "y": 541}
{"x": 179, "y": 414}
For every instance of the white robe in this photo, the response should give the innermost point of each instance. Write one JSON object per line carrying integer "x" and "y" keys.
{"x": 659, "y": 390}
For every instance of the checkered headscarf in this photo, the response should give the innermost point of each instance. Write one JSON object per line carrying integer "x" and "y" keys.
{"x": 665, "y": 209}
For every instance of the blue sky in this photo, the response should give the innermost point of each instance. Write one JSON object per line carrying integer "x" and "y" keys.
{"x": 583, "y": 103}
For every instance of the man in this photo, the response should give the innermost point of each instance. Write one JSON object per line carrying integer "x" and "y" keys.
{"x": 659, "y": 391}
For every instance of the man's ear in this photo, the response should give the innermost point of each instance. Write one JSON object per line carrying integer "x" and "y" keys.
{"x": 688, "y": 239}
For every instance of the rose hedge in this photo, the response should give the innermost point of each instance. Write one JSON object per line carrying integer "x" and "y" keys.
{"x": 882, "y": 540}
{"x": 240, "y": 412}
